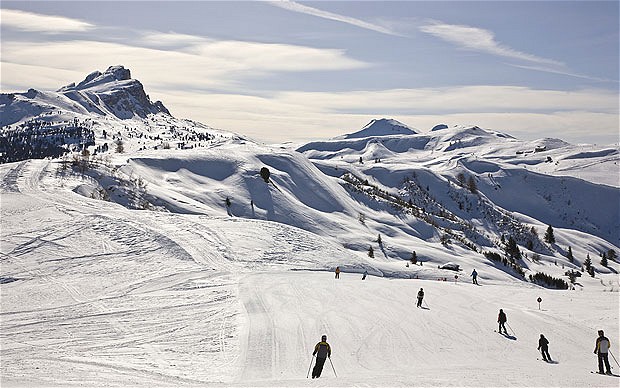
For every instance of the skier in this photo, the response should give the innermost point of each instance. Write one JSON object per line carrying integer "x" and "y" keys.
{"x": 601, "y": 349}
{"x": 337, "y": 272}
{"x": 474, "y": 276}
{"x": 364, "y": 275}
{"x": 501, "y": 319}
{"x": 543, "y": 346}
{"x": 322, "y": 350}
{"x": 420, "y": 297}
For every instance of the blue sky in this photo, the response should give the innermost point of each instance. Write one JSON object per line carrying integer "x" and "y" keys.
{"x": 298, "y": 71}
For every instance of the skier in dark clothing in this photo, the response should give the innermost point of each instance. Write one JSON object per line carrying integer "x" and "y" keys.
{"x": 474, "y": 276}
{"x": 420, "y": 297}
{"x": 501, "y": 319}
{"x": 543, "y": 346}
{"x": 602, "y": 349}
{"x": 322, "y": 350}
{"x": 337, "y": 272}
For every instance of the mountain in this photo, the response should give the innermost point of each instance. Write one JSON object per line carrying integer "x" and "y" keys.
{"x": 112, "y": 92}
{"x": 153, "y": 251}
{"x": 382, "y": 127}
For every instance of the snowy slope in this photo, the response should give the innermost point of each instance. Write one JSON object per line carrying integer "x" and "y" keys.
{"x": 119, "y": 297}
{"x": 129, "y": 268}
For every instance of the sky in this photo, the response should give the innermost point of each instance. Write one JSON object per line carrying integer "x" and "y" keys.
{"x": 285, "y": 71}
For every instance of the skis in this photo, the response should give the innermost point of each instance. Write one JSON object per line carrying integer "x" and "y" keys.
{"x": 548, "y": 361}
{"x": 604, "y": 374}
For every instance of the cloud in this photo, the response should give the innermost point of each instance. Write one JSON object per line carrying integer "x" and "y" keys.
{"x": 296, "y": 7}
{"x": 564, "y": 72}
{"x": 482, "y": 40}
{"x": 579, "y": 116}
{"x": 176, "y": 61}
{"x": 462, "y": 99}
{"x": 27, "y": 21}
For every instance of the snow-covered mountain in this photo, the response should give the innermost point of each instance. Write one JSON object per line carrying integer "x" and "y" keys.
{"x": 382, "y": 127}
{"x": 157, "y": 251}
{"x": 111, "y": 93}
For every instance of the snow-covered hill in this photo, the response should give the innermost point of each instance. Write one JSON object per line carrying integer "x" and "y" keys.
{"x": 166, "y": 258}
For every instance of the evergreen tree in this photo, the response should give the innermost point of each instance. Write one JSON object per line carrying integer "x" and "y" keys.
{"x": 549, "y": 237}
{"x": 611, "y": 255}
{"x": 569, "y": 255}
{"x": 471, "y": 185}
{"x": 604, "y": 259}
{"x": 379, "y": 241}
{"x": 512, "y": 249}
{"x": 120, "y": 146}
{"x": 587, "y": 263}
{"x": 265, "y": 173}
{"x": 371, "y": 252}
{"x": 414, "y": 257}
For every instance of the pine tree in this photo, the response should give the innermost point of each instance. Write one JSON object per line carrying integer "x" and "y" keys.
{"x": 604, "y": 259}
{"x": 588, "y": 263}
{"x": 569, "y": 255}
{"x": 471, "y": 185}
{"x": 414, "y": 257}
{"x": 379, "y": 241}
{"x": 549, "y": 237}
{"x": 512, "y": 249}
{"x": 371, "y": 252}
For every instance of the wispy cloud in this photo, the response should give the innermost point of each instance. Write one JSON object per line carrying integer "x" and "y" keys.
{"x": 175, "y": 60}
{"x": 564, "y": 72}
{"x": 478, "y": 39}
{"x": 296, "y": 7}
{"x": 28, "y": 21}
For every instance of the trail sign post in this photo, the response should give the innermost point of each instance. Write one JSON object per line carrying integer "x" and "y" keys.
{"x": 539, "y": 300}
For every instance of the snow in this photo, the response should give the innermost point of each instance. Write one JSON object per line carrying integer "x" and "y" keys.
{"x": 382, "y": 127}
{"x": 137, "y": 273}
{"x": 110, "y": 296}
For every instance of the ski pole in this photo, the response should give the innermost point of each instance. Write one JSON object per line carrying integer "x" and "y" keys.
{"x": 513, "y": 332}
{"x": 312, "y": 359}
{"x": 612, "y": 355}
{"x": 330, "y": 361}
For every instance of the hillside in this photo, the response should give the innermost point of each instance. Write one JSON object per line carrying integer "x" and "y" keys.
{"x": 145, "y": 250}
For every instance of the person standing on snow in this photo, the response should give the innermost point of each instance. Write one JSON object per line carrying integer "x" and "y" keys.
{"x": 501, "y": 319}
{"x": 337, "y": 272}
{"x": 420, "y": 297}
{"x": 543, "y": 346}
{"x": 474, "y": 276}
{"x": 602, "y": 349}
{"x": 322, "y": 350}
{"x": 365, "y": 274}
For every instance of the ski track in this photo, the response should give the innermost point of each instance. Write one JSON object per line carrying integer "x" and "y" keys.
{"x": 94, "y": 320}
{"x": 124, "y": 297}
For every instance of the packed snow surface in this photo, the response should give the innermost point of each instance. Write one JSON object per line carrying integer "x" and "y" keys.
{"x": 96, "y": 294}
{"x": 158, "y": 255}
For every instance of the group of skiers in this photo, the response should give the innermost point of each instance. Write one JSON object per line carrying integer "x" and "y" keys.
{"x": 322, "y": 350}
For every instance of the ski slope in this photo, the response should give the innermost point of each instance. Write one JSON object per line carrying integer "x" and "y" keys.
{"x": 95, "y": 294}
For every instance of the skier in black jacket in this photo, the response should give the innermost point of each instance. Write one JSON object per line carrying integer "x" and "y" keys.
{"x": 543, "y": 346}
{"x": 322, "y": 350}
{"x": 420, "y": 297}
{"x": 501, "y": 319}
